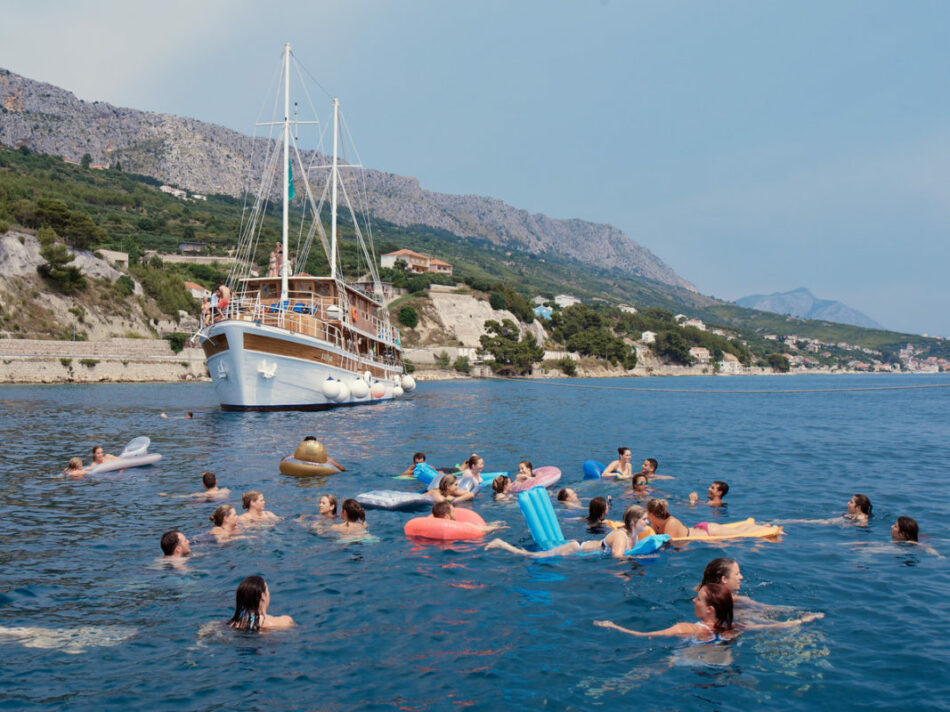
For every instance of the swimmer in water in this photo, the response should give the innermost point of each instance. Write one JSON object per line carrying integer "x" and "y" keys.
{"x": 569, "y": 498}
{"x": 473, "y": 467}
{"x": 726, "y": 571}
{"x": 446, "y": 510}
{"x": 250, "y": 608}
{"x": 175, "y": 547}
{"x": 615, "y": 544}
{"x": 597, "y": 512}
{"x": 330, "y": 460}
{"x": 326, "y": 513}
{"x": 665, "y": 523}
{"x": 501, "y": 486}
{"x": 648, "y": 468}
{"x": 639, "y": 485}
{"x": 75, "y": 469}
{"x": 256, "y": 513}
{"x": 717, "y": 490}
{"x": 225, "y": 521}
{"x": 354, "y": 519}
{"x": 100, "y": 456}
{"x": 211, "y": 492}
{"x": 713, "y": 608}
{"x": 448, "y": 490}
{"x": 904, "y": 529}
{"x": 621, "y": 467}
{"x": 416, "y": 459}
{"x": 858, "y": 511}
{"x": 525, "y": 471}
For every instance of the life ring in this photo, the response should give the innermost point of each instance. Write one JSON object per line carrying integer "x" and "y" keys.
{"x": 467, "y": 525}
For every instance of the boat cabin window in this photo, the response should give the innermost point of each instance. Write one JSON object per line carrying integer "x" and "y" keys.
{"x": 268, "y": 290}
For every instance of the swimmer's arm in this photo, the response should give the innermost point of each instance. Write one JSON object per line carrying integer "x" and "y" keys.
{"x": 338, "y": 466}
{"x": 611, "y": 469}
{"x": 807, "y": 618}
{"x": 408, "y": 473}
{"x": 660, "y": 477}
{"x": 464, "y": 497}
{"x": 618, "y": 543}
{"x": 680, "y": 629}
{"x": 280, "y": 622}
{"x": 836, "y": 520}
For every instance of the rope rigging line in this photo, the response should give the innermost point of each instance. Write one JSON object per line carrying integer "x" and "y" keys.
{"x": 546, "y": 382}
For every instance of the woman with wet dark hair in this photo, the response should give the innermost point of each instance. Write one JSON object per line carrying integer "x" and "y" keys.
{"x": 904, "y": 529}
{"x": 353, "y": 516}
{"x": 597, "y": 512}
{"x": 620, "y": 467}
{"x": 250, "y": 608}
{"x": 859, "y": 509}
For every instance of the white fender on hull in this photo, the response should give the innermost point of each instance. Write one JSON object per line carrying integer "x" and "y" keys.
{"x": 408, "y": 383}
{"x": 359, "y": 389}
{"x": 397, "y": 391}
{"x": 378, "y": 390}
{"x": 344, "y": 393}
{"x": 331, "y": 389}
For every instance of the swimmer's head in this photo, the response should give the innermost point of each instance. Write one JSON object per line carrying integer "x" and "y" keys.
{"x": 501, "y": 484}
{"x": 327, "y": 505}
{"x": 251, "y": 597}
{"x": 418, "y": 457}
{"x": 474, "y": 462}
{"x": 859, "y": 503}
{"x": 353, "y": 511}
{"x": 724, "y": 571}
{"x": 632, "y": 517}
{"x": 658, "y": 508}
{"x": 222, "y": 513}
{"x": 624, "y": 453}
{"x": 189, "y": 414}
{"x": 75, "y": 463}
{"x": 715, "y": 598}
{"x": 98, "y": 453}
{"x": 566, "y": 494}
{"x": 209, "y": 480}
{"x": 447, "y": 484}
{"x": 525, "y": 468}
{"x": 649, "y": 466}
{"x": 443, "y": 510}
{"x": 717, "y": 490}
{"x": 597, "y": 510}
{"x": 904, "y": 529}
{"x": 248, "y": 498}
{"x": 639, "y": 481}
{"x": 174, "y": 543}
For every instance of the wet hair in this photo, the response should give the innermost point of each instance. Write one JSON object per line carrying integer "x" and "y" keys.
{"x": 632, "y": 515}
{"x": 445, "y": 483}
{"x": 442, "y": 510}
{"x": 527, "y": 463}
{"x": 659, "y": 508}
{"x": 907, "y": 526}
{"x": 864, "y": 504}
{"x": 719, "y": 597}
{"x": 220, "y": 514}
{"x": 332, "y": 502}
{"x": 499, "y": 483}
{"x": 353, "y": 510}
{"x": 97, "y": 447}
{"x": 310, "y": 437}
{"x": 470, "y": 462}
{"x": 638, "y": 477}
{"x": 417, "y": 457}
{"x": 75, "y": 463}
{"x": 247, "y": 604}
{"x": 722, "y": 486}
{"x": 170, "y": 541}
{"x": 208, "y": 479}
{"x": 596, "y": 510}
{"x": 249, "y": 497}
{"x": 653, "y": 463}
{"x": 622, "y": 450}
{"x": 716, "y": 570}
{"x": 562, "y": 495}
{"x": 189, "y": 414}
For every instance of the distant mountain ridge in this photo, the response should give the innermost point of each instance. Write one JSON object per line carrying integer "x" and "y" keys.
{"x": 803, "y": 304}
{"x": 206, "y": 158}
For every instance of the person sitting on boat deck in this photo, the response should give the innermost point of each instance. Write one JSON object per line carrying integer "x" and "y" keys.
{"x": 253, "y": 502}
{"x": 225, "y": 521}
{"x": 501, "y": 486}
{"x": 329, "y": 459}
{"x": 472, "y": 467}
{"x": 597, "y": 512}
{"x": 569, "y": 498}
{"x": 713, "y": 607}
{"x": 525, "y": 471}
{"x": 665, "y": 523}
{"x": 353, "y": 516}
{"x": 649, "y": 467}
{"x": 620, "y": 467}
{"x": 615, "y": 544}
{"x": 100, "y": 456}
{"x": 175, "y": 544}
{"x": 416, "y": 459}
{"x": 714, "y": 494}
{"x": 74, "y": 468}
{"x": 448, "y": 489}
{"x": 639, "y": 485}
{"x": 904, "y": 529}
{"x": 250, "y": 608}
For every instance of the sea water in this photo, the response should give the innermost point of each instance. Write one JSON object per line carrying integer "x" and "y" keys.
{"x": 89, "y": 620}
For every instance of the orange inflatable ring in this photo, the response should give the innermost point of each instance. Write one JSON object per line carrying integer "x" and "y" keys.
{"x": 467, "y": 525}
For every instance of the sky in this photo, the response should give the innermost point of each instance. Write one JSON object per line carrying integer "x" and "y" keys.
{"x": 754, "y": 146}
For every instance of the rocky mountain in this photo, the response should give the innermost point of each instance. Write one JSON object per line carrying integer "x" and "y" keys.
{"x": 803, "y": 304}
{"x": 206, "y": 158}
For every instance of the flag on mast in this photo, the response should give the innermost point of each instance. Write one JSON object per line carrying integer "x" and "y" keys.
{"x": 290, "y": 179}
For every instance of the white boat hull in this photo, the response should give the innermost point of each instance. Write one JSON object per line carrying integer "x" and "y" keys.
{"x": 268, "y": 368}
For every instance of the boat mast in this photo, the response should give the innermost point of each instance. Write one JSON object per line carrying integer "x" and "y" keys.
{"x": 333, "y": 177}
{"x": 286, "y": 171}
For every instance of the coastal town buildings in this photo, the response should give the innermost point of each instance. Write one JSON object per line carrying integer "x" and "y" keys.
{"x": 415, "y": 262}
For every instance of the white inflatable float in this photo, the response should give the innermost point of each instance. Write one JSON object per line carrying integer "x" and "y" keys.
{"x": 135, "y": 454}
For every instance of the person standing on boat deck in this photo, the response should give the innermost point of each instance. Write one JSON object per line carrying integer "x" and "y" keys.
{"x": 206, "y": 311}
{"x": 213, "y": 304}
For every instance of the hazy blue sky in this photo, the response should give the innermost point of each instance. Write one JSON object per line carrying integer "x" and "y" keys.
{"x": 754, "y": 146}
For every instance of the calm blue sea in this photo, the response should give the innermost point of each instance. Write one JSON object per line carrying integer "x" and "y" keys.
{"x": 89, "y": 621}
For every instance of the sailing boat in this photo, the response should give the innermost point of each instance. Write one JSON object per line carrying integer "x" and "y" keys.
{"x": 291, "y": 340}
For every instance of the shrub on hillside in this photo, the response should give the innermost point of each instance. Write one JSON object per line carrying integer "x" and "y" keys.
{"x": 408, "y": 317}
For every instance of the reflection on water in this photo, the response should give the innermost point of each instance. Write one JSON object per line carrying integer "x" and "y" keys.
{"x": 385, "y": 622}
